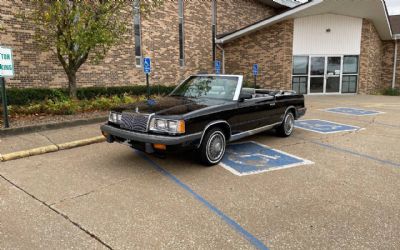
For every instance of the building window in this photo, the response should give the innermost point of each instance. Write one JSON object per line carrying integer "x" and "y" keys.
{"x": 138, "y": 33}
{"x": 350, "y": 74}
{"x": 214, "y": 29}
{"x": 300, "y": 74}
{"x": 181, "y": 34}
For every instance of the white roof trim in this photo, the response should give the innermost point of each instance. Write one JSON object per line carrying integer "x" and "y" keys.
{"x": 268, "y": 21}
{"x": 387, "y": 17}
{"x": 370, "y": 10}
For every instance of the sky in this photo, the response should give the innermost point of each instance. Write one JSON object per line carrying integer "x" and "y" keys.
{"x": 393, "y": 7}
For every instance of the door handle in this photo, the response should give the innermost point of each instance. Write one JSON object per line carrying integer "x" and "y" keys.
{"x": 272, "y": 104}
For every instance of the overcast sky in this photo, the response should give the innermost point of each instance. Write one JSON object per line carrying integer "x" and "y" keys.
{"x": 393, "y": 7}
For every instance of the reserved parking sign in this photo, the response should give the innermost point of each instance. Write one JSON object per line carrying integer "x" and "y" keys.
{"x": 6, "y": 62}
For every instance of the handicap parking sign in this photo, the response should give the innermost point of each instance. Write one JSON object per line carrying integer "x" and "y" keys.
{"x": 218, "y": 67}
{"x": 147, "y": 65}
{"x": 324, "y": 127}
{"x": 255, "y": 69}
{"x": 353, "y": 111}
{"x": 252, "y": 158}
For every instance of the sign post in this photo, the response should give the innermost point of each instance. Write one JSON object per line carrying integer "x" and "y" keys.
{"x": 255, "y": 73}
{"x": 147, "y": 70}
{"x": 217, "y": 67}
{"x": 6, "y": 70}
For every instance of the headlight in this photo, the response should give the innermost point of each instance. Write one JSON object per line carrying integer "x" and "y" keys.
{"x": 161, "y": 124}
{"x": 115, "y": 117}
{"x": 170, "y": 126}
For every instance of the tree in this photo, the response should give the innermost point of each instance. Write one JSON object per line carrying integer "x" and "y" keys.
{"x": 77, "y": 29}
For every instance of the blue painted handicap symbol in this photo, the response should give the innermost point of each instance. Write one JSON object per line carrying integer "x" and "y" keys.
{"x": 252, "y": 158}
{"x": 353, "y": 111}
{"x": 324, "y": 127}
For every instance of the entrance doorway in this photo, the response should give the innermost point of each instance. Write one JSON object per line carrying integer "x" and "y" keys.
{"x": 325, "y": 74}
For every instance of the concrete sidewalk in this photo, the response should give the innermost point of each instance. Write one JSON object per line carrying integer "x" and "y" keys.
{"x": 29, "y": 141}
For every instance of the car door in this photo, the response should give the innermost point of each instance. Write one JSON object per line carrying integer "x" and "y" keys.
{"x": 270, "y": 111}
{"x": 252, "y": 113}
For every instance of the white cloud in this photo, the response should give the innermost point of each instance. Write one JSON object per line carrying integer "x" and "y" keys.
{"x": 393, "y": 7}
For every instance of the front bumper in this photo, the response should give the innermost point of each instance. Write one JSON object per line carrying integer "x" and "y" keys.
{"x": 148, "y": 138}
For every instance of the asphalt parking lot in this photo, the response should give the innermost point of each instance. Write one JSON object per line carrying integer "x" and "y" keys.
{"x": 108, "y": 196}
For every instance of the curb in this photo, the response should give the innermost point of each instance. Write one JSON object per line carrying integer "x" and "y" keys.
{"x": 50, "y": 126}
{"x": 51, "y": 148}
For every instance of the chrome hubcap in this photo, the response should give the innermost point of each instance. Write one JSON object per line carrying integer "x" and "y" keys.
{"x": 216, "y": 147}
{"x": 289, "y": 123}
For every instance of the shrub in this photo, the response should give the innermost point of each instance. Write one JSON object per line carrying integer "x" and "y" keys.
{"x": 391, "y": 92}
{"x": 33, "y": 95}
{"x": 70, "y": 107}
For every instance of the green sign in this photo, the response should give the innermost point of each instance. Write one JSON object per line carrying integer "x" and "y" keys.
{"x": 6, "y": 62}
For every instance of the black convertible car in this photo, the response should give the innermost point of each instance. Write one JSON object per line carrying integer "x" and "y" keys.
{"x": 204, "y": 113}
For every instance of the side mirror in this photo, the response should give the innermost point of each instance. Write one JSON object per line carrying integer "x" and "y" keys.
{"x": 245, "y": 96}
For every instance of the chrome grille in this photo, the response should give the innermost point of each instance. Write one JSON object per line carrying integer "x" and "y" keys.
{"x": 134, "y": 121}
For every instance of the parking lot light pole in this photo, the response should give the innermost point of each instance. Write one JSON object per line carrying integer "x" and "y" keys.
{"x": 4, "y": 101}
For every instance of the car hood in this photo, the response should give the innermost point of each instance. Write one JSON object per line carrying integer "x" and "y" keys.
{"x": 169, "y": 105}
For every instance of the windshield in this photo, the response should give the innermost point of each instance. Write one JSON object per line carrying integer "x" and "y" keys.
{"x": 215, "y": 87}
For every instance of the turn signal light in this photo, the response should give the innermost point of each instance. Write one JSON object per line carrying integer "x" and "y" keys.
{"x": 160, "y": 146}
{"x": 181, "y": 127}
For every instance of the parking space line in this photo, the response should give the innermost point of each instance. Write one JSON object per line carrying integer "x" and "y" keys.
{"x": 233, "y": 224}
{"x": 344, "y": 150}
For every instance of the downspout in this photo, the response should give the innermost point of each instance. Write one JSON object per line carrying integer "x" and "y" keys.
{"x": 395, "y": 63}
{"x": 223, "y": 57}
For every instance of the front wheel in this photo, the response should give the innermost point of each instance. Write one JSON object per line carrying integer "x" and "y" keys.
{"x": 287, "y": 126}
{"x": 212, "y": 148}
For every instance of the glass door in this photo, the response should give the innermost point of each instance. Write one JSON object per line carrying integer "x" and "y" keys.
{"x": 317, "y": 75}
{"x": 333, "y": 73}
{"x": 325, "y": 74}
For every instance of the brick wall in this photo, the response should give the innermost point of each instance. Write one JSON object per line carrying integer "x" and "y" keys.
{"x": 235, "y": 14}
{"x": 370, "y": 60}
{"x": 275, "y": 44}
{"x": 398, "y": 66}
{"x": 387, "y": 64}
{"x": 161, "y": 41}
{"x": 36, "y": 68}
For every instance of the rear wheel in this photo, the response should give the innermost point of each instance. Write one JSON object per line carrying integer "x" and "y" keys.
{"x": 212, "y": 148}
{"x": 287, "y": 126}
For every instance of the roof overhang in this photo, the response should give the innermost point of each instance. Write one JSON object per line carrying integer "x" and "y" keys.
{"x": 272, "y": 3}
{"x": 374, "y": 10}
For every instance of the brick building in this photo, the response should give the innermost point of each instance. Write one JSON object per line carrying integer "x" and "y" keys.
{"x": 319, "y": 47}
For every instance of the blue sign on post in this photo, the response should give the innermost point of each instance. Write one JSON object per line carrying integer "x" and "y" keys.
{"x": 147, "y": 65}
{"x": 217, "y": 67}
{"x": 255, "y": 69}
